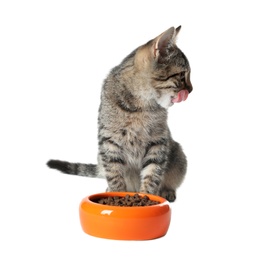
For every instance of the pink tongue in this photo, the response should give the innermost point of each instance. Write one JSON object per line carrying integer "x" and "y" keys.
{"x": 182, "y": 96}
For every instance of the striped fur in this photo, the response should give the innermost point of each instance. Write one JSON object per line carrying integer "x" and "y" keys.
{"x": 136, "y": 150}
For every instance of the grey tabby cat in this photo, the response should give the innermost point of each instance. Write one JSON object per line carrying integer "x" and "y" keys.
{"x": 136, "y": 149}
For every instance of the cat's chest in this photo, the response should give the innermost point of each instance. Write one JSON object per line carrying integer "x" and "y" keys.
{"x": 138, "y": 131}
{"x": 143, "y": 125}
{"x": 135, "y": 133}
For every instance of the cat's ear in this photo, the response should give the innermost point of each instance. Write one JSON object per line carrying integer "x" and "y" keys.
{"x": 165, "y": 41}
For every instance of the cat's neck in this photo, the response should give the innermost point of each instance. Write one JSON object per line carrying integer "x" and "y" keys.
{"x": 137, "y": 84}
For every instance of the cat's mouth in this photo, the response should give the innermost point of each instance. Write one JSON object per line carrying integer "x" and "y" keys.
{"x": 181, "y": 96}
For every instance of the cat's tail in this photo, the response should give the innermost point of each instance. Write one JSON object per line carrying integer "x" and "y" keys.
{"x": 79, "y": 169}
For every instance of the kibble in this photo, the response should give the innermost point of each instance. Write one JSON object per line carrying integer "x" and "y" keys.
{"x": 128, "y": 201}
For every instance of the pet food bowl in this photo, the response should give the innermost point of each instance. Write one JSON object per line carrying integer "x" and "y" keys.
{"x": 124, "y": 222}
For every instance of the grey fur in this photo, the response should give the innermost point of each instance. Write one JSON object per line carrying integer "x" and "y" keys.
{"x": 136, "y": 150}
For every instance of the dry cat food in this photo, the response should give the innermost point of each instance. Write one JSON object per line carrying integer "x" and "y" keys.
{"x": 127, "y": 201}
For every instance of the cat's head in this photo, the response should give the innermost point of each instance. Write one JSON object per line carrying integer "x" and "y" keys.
{"x": 167, "y": 67}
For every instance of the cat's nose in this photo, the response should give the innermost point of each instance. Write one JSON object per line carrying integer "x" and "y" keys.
{"x": 189, "y": 88}
{"x": 188, "y": 85}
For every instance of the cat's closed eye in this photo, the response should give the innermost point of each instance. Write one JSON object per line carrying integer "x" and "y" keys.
{"x": 180, "y": 75}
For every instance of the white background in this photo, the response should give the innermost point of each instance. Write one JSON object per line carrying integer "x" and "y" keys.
{"x": 54, "y": 56}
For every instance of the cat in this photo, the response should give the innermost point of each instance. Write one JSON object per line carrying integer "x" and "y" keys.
{"x": 136, "y": 151}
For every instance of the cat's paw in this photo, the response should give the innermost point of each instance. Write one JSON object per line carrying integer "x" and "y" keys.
{"x": 169, "y": 195}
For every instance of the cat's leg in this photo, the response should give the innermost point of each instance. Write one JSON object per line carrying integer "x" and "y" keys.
{"x": 175, "y": 173}
{"x": 112, "y": 165}
{"x": 114, "y": 176}
{"x": 154, "y": 167}
{"x": 151, "y": 178}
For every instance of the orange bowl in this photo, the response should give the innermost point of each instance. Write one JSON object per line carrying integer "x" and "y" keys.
{"x": 124, "y": 222}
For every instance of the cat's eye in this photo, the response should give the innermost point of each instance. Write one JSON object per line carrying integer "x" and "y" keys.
{"x": 180, "y": 74}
